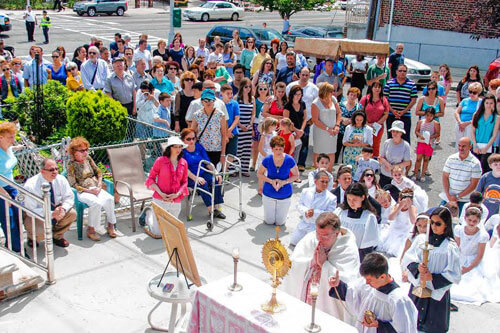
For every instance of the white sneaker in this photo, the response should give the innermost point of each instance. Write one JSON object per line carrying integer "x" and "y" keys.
{"x": 118, "y": 232}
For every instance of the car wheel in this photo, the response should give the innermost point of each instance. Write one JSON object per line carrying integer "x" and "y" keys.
{"x": 205, "y": 17}
{"x": 235, "y": 17}
{"x": 120, "y": 11}
{"x": 91, "y": 12}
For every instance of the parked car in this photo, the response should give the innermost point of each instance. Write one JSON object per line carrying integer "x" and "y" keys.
{"x": 214, "y": 10}
{"x": 261, "y": 36}
{"x": 5, "y": 24}
{"x": 94, "y": 7}
{"x": 493, "y": 72}
{"x": 312, "y": 31}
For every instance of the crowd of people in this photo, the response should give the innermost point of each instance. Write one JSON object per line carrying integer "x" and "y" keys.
{"x": 265, "y": 107}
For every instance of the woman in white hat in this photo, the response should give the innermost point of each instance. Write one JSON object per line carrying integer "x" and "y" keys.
{"x": 168, "y": 178}
{"x": 394, "y": 152}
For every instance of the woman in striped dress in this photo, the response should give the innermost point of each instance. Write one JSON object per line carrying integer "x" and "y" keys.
{"x": 247, "y": 117}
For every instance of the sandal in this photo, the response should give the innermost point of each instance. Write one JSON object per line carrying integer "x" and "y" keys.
{"x": 111, "y": 232}
{"x": 93, "y": 236}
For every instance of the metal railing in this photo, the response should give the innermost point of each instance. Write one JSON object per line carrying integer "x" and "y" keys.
{"x": 24, "y": 214}
{"x": 357, "y": 13}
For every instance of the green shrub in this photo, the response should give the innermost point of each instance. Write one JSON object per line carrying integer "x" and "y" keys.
{"x": 96, "y": 116}
{"x": 53, "y": 117}
{"x": 35, "y": 4}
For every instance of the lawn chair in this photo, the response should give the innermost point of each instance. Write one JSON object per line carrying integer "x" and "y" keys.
{"x": 128, "y": 176}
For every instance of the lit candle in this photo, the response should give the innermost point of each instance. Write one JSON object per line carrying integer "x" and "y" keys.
{"x": 428, "y": 233}
{"x": 314, "y": 289}
{"x": 236, "y": 253}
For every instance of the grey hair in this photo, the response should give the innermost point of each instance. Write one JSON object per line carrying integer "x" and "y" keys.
{"x": 44, "y": 162}
{"x": 139, "y": 60}
{"x": 320, "y": 174}
{"x": 70, "y": 65}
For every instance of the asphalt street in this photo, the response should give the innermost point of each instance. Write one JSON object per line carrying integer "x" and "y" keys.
{"x": 71, "y": 31}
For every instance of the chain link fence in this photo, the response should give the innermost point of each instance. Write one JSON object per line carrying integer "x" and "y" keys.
{"x": 148, "y": 137}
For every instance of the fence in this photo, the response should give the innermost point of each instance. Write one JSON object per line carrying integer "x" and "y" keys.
{"x": 16, "y": 213}
{"x": 357, "y": 13}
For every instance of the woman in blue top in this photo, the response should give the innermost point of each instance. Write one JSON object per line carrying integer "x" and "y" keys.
{"x": 278, "y": 171}
{"x": 57, "y": 69}
{"x": 160, "y": 82}
{"x": 193, "y": 154}
{"x": 485, "y": 124}
{"x": 177, "y": 52}
{"x": 466, "y": 110}
{"x": 229, "y": 57}
{"x": 7, "y": 163}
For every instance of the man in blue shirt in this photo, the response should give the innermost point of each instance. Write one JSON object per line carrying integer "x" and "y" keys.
{"x": 290, "y": 72}
{"x": 113, "y": 46}
{"x": 30, "y": 70}
{"x": 233, "y": 110}
{"x": 395, "y": 59}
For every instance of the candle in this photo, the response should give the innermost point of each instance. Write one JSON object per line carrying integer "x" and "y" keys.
{"x": 236, "y": 253}
{"x": 314, "y": 289}
{"x": 428, "y": 232}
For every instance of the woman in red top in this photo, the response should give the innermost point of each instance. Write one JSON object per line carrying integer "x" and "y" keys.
{"x": 376, "y": 108}
{"x": 168, "y": 178}
{"x": 286, "y": 133}
{"x": 277, "y": 106}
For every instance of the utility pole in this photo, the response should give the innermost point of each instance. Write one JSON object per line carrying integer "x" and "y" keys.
{"x": 372, "y": 15}
{"x": 171, "y": 33}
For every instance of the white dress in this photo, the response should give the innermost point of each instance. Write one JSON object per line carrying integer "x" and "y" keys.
{"x": 393, "y": 239}
{"x": 420, "y": 197}
{"x": 365, "y": 228}
{"x": 267, "y": 147}
{"x": 474, "y": 287}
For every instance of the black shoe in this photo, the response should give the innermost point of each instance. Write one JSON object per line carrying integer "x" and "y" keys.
{"x": 45, "y": 42}
{"x": 61, "y": 242}
{"x": 453, "y": 307}
{"x": 219, "y": 214}
{"x": 30, "y": 243}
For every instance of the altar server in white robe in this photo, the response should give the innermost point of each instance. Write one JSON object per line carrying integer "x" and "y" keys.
{"x": 376, "y": 292}
{"x": 442, "y": 270}
{"x": 313, "y": 201}
{"x": 319, "y": 255}
{"x": 358, "y": 215}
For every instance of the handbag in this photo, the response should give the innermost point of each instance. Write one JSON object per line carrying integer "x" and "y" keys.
{"x": 204, "y": 128}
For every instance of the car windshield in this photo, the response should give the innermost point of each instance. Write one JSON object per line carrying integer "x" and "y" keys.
{"x": 208, "y": 5}
{"x": 267, "y": 34}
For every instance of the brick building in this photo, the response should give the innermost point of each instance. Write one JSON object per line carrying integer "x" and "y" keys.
{"x": 431, "y": 32}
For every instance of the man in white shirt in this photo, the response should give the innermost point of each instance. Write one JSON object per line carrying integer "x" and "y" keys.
{"x": 30, "y": 21}
{"x": 202, "y": 51}
{"x": 62, "y": 202}
{"x": 143, "y": 53}
{"x": 313, "y": 201}
{"x": 94, "y": 71}
{"x": 216, "y": 56}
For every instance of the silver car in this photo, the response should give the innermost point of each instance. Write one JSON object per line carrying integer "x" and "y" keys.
{"x": 214, "y": 10}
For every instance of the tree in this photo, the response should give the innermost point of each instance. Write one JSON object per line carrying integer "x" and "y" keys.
{"x": 485, "y": 19}
{"x": 289, "y": 7}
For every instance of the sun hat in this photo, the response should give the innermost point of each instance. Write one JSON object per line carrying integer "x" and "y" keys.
{"x": 208, "y": 94}
{"x": 399, "y": 126}
{"x": 175, "y": 140}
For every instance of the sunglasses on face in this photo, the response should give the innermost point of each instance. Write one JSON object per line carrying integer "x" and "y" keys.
{"x": 206, "y": 100}
{"x": 402, "y": 70}
{"x": 432, "y": 88}
{"x": 6, "y": 69}
{"x": 172, "y": 69}
{"x": 369, "y": 175}
{"x": 189, "y": 80}
{"x": 473, "y": 93}
{"x": 262, "y": 89}
{"x": 436, "y": 223}
{"x": 51, "y": 170}
{"x": 190, "y": 139}
{"x": 55, "y": 56}
{"x": 83, "y": 150}
{"x": 92, "y": 52}
{"x": 17, "y": 64}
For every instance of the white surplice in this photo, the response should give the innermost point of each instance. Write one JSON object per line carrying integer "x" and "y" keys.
{"x": 343, "y": 257}
{"x": 365, "y": 228}
{"x": 394, "y": 307}
{"x": 444, "y": 260}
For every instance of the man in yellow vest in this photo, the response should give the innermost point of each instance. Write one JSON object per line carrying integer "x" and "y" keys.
{"x": 45, "y": 25}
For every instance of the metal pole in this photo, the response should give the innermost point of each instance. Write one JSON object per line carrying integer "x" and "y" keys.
{"x": 171, "y": 33}
{"x": 371, "y": 19}
{"x": 49, "y": 250}
{"x": 390, "y": 21}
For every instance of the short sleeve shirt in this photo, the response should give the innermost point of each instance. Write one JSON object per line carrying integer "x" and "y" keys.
{"x": 233, "y": 110}
{"x": 461, "y": 172}
{"x": 469, "y": 107}
{"x": 211, "y": 139}
{"x": 394, "y": 154}
{"x": 120, "y": 89}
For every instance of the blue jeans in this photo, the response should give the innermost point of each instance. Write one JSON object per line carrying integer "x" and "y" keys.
{"x": 218, "y": 198}
{"x": 13, "y": 221}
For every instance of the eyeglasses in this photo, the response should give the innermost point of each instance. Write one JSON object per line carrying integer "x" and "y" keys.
{"x": 55, "y": 56}
{"x": 92, "y": 52}
{"x": 402, "y": 70}
{"x": 207, "y": 101}
{"x": 436, "y": 223}
{"x": 82, "y": 150}
{"x": 52, "y": 169}
{"x": 190, "y": 139}
{"x": 189, "y": 80}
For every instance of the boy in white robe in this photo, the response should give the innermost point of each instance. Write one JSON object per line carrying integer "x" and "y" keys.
{"x": 313, "y": 201}
{"x": 318, "y": 256}
{"x": 393, "y": 309}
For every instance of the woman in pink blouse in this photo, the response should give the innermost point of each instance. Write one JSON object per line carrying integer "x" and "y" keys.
{"x": 168, "y": 178}
{"x": 376, "y": 108}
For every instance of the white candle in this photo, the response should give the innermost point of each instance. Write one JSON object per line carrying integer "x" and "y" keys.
{"x": 314, "y": 289}
{"x": 236, "y": 253}
{"x": 428, "y": 233}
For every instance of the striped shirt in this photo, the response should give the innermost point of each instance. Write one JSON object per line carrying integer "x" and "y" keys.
{"x": 400, "y": 95}
{"x": 461, "y": 172}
